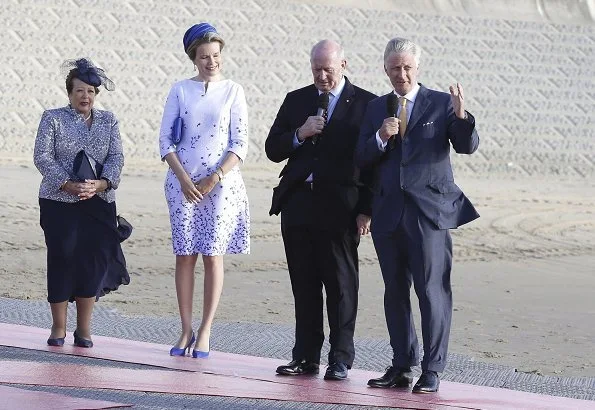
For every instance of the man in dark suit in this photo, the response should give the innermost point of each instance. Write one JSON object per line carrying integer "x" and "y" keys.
{"x": 415, "y": 203}
{"x": 325, "y": 207}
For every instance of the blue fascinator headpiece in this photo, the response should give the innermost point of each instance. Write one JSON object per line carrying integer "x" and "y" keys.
{"x": 197, "y": 31}
{"x": 87, "y": 72}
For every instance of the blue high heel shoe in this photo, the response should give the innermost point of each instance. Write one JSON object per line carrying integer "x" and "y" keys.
{"x": 198, "y": 354}
{"x": 181, "y": 351}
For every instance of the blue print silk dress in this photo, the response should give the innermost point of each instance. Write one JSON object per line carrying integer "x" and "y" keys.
{"x": 215, "y": 122}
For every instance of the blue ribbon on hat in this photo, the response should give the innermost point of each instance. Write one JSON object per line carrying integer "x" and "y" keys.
{"x": 87, "y": 72}
{"x": 197, "y": 31}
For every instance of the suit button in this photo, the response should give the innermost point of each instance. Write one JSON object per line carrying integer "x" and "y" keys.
{"x": 403, "y": 164}
{"x": 403, "y": 187}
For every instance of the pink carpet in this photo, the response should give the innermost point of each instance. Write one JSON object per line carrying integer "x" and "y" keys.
{"x": 232, "y": 375}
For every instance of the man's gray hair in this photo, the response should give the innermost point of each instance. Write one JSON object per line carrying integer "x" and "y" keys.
{"x": 402, "y": 45}
{"x": 328, "y": 45}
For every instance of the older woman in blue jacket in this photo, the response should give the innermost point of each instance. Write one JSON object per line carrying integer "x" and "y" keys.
{"x": 78, "y": 152}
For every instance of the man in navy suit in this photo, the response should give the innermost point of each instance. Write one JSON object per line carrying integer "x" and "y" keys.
{"x": 325, "y": 206}
{"x": 415, "y": 203}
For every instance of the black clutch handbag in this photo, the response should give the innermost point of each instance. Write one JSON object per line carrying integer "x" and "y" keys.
{"x": 85, "y": 167}
{"x": 124, "y": 228}
{"x": 176, "y": 130}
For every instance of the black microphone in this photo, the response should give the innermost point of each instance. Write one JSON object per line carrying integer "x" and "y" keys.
{"x": 323, "y": 104}
{"x": 391, "y": 110}
{"x": 322, "y": 109}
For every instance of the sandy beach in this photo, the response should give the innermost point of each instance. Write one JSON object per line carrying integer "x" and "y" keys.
{"x": 524, "y": 272}
{"x": 522, "y": 277}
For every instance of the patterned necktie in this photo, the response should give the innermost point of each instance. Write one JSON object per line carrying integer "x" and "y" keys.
{"x": 325, "y": 113}
{"x": 403, "y": 116}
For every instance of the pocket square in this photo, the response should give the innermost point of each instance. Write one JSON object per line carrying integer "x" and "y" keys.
{"x": 427, "y": 123}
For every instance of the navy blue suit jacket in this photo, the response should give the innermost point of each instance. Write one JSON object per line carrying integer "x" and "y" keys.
{"x": 419, "y": 166}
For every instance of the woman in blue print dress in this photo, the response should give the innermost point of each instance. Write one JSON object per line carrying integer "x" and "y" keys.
{"x": 205, "y": 193}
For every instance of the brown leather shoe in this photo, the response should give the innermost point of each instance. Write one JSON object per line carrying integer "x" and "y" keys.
{"x": 428, "y": 382}
{"x": 298, "y": 368}
{"x": 394, "y": 377}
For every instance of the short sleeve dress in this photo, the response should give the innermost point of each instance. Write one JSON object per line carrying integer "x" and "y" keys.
{"x": 215, "y": 122}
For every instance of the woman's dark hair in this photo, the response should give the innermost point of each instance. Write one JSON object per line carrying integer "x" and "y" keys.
{"x": 72, "y": 74}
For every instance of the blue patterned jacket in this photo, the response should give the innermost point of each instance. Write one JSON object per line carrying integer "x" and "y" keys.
{"x": 62, "y": 133}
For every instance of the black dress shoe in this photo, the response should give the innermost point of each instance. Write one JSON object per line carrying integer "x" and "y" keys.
{"x": 428, "y": 382}
{"x": 336, "y": 371}
{"x": 394, "y": 377}
{"x": 58, "y": 341}
{"x": 298, "y": 368}
{"x": 80, "y": 342}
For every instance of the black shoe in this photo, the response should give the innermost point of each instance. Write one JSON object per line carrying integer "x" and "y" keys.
{"x": 394, "y": 377}
{"x": 80, "y": 342}
{"x": 58, "y": 341}
{"x": 336, "y": 371}
{"x": 428, "y": 382}
{"x": 298, "y": 368}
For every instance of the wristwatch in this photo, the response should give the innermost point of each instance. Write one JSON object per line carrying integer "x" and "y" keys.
{"x": 109, "y": 183}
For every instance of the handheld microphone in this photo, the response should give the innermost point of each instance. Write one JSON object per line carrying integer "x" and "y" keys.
{"x": 391, "y": 110}
{"x": 322, "y": 109}
{"x": 322, "y": 104}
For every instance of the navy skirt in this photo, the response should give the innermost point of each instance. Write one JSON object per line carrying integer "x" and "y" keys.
{"x": 84, "y": 256}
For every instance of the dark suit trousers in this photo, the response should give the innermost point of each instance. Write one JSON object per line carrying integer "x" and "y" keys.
{"x": 319, "y": 258}
{"x": 416, "y": 252}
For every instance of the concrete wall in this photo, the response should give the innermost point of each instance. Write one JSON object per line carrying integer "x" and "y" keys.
{"x": 528, "y": 80}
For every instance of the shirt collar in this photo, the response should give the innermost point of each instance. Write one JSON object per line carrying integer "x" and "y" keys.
{"x": 338, "y": 89}
{"x": 411, "y": 95}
